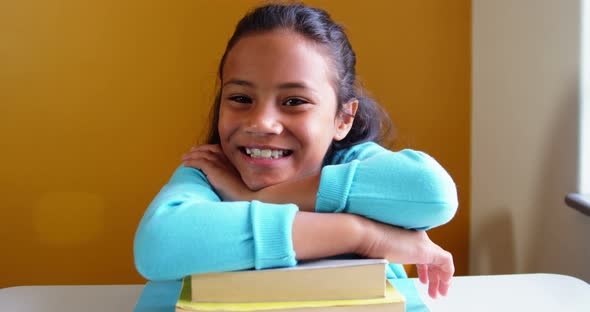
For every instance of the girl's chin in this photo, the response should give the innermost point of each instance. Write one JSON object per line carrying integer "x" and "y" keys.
{"x": 256, "y": 184}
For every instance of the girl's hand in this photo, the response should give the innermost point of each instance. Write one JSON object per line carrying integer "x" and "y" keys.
{"x": 435, "y": 265}
{"x": 222, "y": 175}
{"x": 227, "y": 182}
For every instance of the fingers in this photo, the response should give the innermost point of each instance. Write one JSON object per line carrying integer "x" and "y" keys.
{"x": 208, "y": 158}
{"x": 433, "y": 281}
{"x": 212, "y": 148}
{"x": 443, "y": 287}
{"x": 446, "y": 274}
{"x": 440, "y": 273}
{"x": 200, "y": 156}
{"x": 437, "y": 271}
{"x": 201, "y": 163}
{"x": 438, "y": 282}
{"x": 202, "y": 160}
{"x": 422, "y": 273}
{"x": 204, "y": 152}
{"x": 194, "y": 159}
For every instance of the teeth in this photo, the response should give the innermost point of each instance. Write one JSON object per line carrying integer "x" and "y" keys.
{"x": 264, "y": 153}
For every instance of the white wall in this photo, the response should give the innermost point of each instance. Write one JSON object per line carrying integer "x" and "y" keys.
{"x": 526, "y": 59}
{"x": 584, "y": 139}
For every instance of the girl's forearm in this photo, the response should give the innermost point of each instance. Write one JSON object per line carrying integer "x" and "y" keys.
{"x": 318, "y": 235}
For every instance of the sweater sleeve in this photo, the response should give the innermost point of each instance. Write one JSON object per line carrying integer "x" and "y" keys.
{"x": 408, "y": 189}
{"x": 187, "y": 229}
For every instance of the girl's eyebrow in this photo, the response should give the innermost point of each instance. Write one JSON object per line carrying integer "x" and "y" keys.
{"x": 286, "y": 85}
{"x": 298, "y": 85}
{"x": 239, "y": 82}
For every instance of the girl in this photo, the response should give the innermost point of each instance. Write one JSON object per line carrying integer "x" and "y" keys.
{"x": 292, "y": 169}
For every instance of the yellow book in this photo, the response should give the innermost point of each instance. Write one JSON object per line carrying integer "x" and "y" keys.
{"x": 393, "y": 301}
{"x": 325, "y": 279}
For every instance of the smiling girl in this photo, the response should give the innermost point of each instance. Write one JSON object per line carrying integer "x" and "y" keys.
{"x": 293, "y": 169}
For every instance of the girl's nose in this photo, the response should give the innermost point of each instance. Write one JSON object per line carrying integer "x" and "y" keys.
{"x": 263, "y": 119}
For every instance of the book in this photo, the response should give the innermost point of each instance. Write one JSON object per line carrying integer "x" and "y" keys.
{"x": 392, "y": 301}
{"x": 326, "y": 279}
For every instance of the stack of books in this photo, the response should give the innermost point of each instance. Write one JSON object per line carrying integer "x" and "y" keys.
{"x": 320, "y": 286}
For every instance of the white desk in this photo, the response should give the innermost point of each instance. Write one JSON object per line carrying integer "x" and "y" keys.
{"x": 520, "y": 292}
{"x": 79, "y": 298}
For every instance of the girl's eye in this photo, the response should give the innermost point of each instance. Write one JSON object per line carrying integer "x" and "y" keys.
{"x": 294, "y": 102}
{"x": 241, "y": 99}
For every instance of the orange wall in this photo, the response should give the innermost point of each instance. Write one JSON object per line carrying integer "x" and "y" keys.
{"x": 99, "y": 99}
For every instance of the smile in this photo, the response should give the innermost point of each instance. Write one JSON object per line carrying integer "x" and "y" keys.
{"x": 265, "y": 153}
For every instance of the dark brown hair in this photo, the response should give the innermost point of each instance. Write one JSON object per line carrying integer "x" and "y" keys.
{"x": 371, "y": 123}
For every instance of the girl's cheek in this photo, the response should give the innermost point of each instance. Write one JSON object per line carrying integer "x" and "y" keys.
{"x": 228, "y": 122}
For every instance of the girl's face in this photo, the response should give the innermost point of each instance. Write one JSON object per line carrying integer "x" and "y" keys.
{"x": 277, "y": 115}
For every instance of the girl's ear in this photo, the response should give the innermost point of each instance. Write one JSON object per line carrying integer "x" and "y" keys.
{"x": 345, "y": 118}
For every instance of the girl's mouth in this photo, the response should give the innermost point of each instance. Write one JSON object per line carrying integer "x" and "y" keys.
{"x": 265, "y": 153}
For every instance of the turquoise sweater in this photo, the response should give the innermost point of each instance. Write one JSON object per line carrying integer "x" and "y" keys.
{"x": 188, "y": 229}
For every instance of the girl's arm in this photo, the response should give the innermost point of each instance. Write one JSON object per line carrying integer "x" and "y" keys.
{"x": 187, "y": 229}
{"x": 317, "y": 235}
{"x": 407, "y": 188}
{"x": 391, "y": 176}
